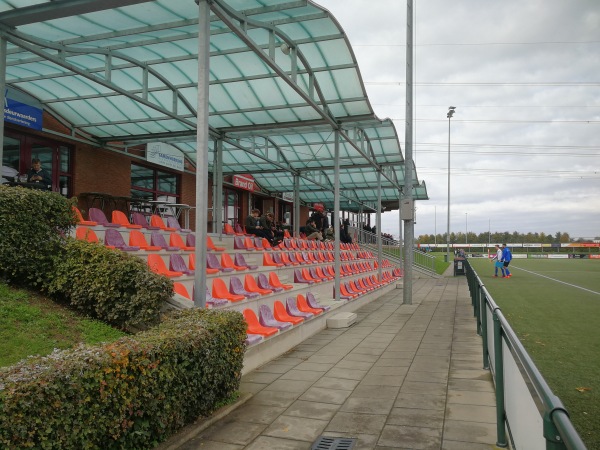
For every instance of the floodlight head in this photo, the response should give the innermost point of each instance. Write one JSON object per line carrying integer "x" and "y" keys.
{"x": 285, "y": 49}
{"x": 451, "y": 107}
{"x": 450, "y": 114}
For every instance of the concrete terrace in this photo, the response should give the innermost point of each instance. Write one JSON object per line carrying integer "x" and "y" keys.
{"x": 402, "y": 377}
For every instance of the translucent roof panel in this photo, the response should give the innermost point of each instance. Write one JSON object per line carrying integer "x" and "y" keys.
{"x": 282, "y": 77}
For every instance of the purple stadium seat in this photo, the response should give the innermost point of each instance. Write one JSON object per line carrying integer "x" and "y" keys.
{"x": 190, "y": 240}
{"x": 263, "y": 283}
{"x": 277, "y": 259}
{"x": 212, "y": 262}
{"x": 97, "y": 215}
{"x": 210, "y": 300}
{"x": 299, "y": 278}
{"x": 253, "y": 339}
{"x": 266, "y": 319}
{"x": 177, "y": 264}
{"x": 139, "y": 219}
{"x": 172, "y": 222}
{"x": 114, "y": 238}
{"x": 313, "y": 303}
{"x": 236, "y": 287}
{"x": 292, "y": 309}
{"x": 157, "y": 239}
{"x": 241, "y": 261}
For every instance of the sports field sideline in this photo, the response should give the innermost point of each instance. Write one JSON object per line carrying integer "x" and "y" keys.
{"x": 554, "y": 307}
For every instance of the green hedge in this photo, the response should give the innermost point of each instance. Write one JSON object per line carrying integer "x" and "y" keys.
{"x": 130, "y": 394}
{"x": 108, "y": 285}
{"x": 35, "y": 252}
{"x": 32, "y": 224}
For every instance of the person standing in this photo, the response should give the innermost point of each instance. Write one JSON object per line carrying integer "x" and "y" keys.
{"x": 506, "y": 259}
{"x": 38, "y": 175}
{"x": 498, "y": 262}
{"x": 320, "y": 218}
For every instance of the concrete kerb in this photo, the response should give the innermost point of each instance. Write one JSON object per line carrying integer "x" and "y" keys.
{"x": 192, "y": 430}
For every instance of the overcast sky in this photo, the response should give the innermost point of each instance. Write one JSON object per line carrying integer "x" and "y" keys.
{"x": 525, "y": 80}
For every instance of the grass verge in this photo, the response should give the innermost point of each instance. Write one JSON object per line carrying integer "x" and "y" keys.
{"x": 558, "y": 325}
{"x": 33, "y": 325}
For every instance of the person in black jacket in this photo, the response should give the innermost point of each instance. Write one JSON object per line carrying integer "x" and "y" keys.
{"x": 38, "y": 175}
{"x": 320, "y": 218}
{"x": 254, "y": 227}
{"x": 312, "y": 232}
{"x": 344, "y": 235}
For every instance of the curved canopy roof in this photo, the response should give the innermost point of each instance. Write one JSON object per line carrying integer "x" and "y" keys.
{"x": 283, "y": 77}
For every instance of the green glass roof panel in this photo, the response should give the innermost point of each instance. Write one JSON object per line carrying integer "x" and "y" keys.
{"x": 150, "y": 87}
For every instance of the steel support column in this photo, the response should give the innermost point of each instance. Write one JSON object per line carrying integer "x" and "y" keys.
{"x": 336, "y": 213}
{"x": 2, "y": 93}
{"x": 217, "y": 207}
{"x": 378, "y": 225}
{"x": 202, "y": 137}
{"x": 296, "y": 229}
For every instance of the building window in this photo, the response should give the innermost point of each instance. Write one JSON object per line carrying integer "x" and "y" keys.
{"x": 153, "y": 184}
{"x": 56, "y": 158}
{"x": 231, "y": 206}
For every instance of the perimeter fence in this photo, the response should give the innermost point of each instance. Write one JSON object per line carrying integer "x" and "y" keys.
{"x": 527, "y": 412}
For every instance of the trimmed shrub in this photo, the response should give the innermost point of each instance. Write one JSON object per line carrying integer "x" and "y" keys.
{"x": 32, "y": 224}
{"x": 108, "y": 285}
{"x": 130, "y": 394}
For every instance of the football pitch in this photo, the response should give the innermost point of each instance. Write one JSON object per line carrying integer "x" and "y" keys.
{"x": 553, "y": 305}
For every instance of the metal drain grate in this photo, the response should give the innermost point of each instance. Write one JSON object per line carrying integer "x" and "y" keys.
{"x": 333, "y": 443}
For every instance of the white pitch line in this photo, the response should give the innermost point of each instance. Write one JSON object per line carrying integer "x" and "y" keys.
{"x": 558, "y": 281}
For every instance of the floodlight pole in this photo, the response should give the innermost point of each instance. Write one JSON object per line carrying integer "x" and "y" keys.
{"x": 449, "y": 115}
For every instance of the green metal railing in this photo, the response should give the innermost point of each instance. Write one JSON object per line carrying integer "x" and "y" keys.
{"x": 392, "y": 249}
{"x": 502, "y": 347}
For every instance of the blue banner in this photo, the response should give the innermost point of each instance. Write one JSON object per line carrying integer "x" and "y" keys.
{"x": 21, "y": 113}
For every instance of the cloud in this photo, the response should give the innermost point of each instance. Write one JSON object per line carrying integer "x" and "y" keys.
{"x": 524, "y": 78}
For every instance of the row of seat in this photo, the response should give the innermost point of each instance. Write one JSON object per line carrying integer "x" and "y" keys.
{"x": 137, "y": 240}
{"x": 350, "y": 290}
{"x": 251, "y": 244}
{"x": 268, "y": 323}
{"x": 120, "y": 220}
{"x": 289, "y": 241}
{"x": 251, "y": 288}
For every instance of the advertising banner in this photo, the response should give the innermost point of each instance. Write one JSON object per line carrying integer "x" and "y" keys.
{"x": 21, "y": 109}
{"x": 245, "y": 182}
{"x": 165, "y": 155}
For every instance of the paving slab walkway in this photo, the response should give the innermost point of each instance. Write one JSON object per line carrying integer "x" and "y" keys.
{"x": 402, "y": 377}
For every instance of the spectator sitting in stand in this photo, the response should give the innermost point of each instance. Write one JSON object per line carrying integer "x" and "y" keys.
{"x": 254, "y": 227}
{"x": 312, "y": 231}
{"x": 330, "y": 234}
{"x": 38, "y": 175}
{"x": 344, "y": 235}
{"x": 268, "y": 224}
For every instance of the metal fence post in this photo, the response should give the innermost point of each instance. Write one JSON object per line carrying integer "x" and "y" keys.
{"x": 484, "y": 328}
{"x": 499, "y": 372}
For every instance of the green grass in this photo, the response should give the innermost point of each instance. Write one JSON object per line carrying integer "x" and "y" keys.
{"x": 32, "y": 325}
{"x": 558, "y": 325}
